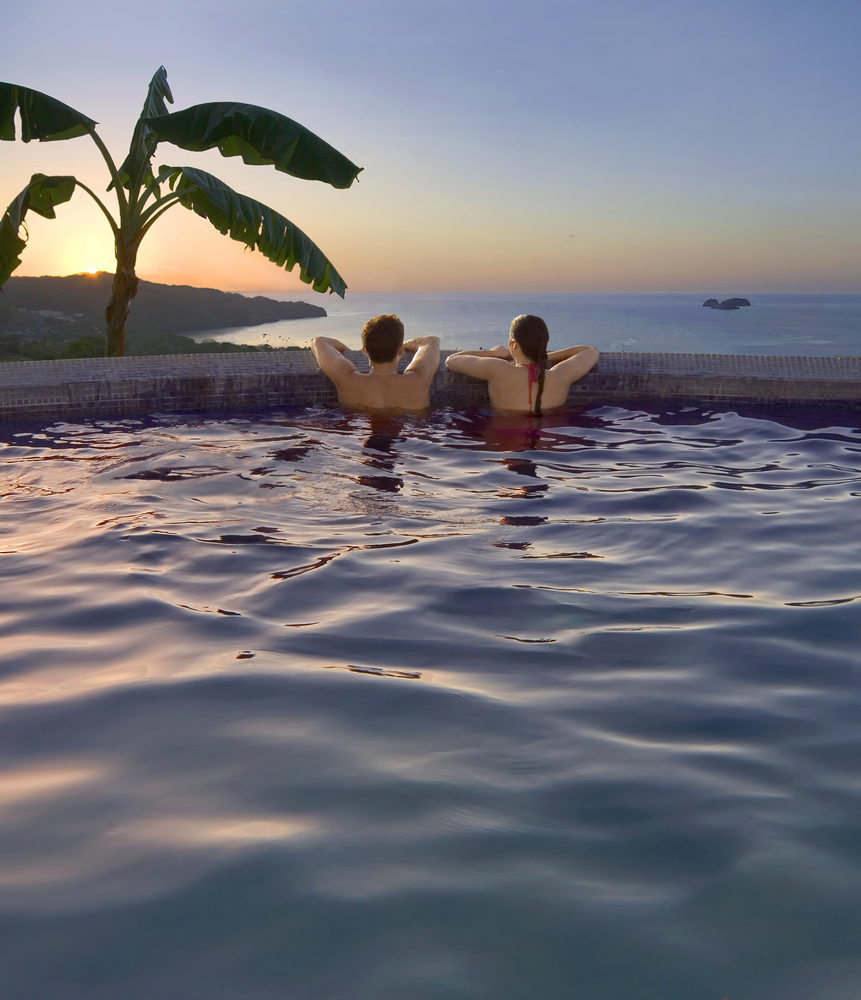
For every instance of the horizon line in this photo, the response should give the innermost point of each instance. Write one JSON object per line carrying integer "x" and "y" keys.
{"x": 519, "y": 293}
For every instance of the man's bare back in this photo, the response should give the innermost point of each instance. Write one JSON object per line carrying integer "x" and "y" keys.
{"x": 382, "y": 388}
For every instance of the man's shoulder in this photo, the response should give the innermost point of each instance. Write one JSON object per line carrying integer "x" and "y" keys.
{"x": 347, "y": 375}
{"x": 418, "y": 375}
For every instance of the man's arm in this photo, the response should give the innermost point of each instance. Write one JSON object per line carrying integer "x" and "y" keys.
{"x": 330, "y": 358}
{"x": 425, "y": 351}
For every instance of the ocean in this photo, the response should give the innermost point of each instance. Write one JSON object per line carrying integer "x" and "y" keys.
{"x": 813, "y": 325}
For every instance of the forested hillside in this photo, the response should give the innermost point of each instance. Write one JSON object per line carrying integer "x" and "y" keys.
{"x": 52, "y": 317}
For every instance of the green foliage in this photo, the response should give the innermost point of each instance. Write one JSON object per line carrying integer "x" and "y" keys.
{"x": 259, "y": 136}
{"x": 173, "y": 343}
{"x": 15, "y": 347}
{"x": 137, "y": 165}
{"x": 85, "y": 347}
{"x": 51, "y": 317}
{"x": 79, "y": 300}
{"x": 257, "y": 226}
{"x": 42, "y": 117}
{"x": 40, "y": 196}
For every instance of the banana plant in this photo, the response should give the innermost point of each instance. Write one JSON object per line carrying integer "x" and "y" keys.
{"x": 143, "y": 195}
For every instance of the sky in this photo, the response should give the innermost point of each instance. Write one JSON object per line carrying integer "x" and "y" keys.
{"x": 601, "y": 146}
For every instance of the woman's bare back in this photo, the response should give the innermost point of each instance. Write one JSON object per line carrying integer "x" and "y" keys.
{"x": 509, "y": 384}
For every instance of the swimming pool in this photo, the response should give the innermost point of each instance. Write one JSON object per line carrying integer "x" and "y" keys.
{"x": 319, "y": 705}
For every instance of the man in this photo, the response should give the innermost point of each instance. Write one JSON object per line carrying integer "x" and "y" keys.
{"x": 382, "y": 388}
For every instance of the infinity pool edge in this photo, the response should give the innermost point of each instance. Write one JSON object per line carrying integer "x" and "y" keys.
{"x": 118, "y": 387}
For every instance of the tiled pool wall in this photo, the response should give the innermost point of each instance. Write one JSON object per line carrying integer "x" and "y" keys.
{"x": 118, "y": 387}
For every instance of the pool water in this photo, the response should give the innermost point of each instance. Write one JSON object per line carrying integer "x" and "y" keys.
{"x": 322, "y": 706}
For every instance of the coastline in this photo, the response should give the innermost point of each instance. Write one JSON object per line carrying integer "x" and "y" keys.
{"x": 775, "y": 324}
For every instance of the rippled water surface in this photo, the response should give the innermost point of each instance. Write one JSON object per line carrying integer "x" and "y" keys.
{"x": 321, "y": 706}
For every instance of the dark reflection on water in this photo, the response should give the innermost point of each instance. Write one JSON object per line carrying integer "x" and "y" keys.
{"x": 320, "y": 705}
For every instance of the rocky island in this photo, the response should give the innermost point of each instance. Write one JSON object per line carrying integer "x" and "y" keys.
{"x": 51, "y": 317}
{"x": 726, "y": 304}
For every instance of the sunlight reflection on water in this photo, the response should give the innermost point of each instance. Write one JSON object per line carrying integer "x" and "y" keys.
{"x": 444, "y": 707}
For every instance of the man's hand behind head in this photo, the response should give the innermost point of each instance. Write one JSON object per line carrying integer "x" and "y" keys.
{"x": 411, "y": 346}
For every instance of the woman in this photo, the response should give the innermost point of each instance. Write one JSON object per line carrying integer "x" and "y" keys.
{"x": 523, "y": 377}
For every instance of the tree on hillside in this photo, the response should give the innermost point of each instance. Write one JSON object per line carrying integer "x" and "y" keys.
{"x": 257, "y": 135}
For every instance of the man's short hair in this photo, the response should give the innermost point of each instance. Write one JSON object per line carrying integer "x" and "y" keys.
{"x": 382, "y": 338}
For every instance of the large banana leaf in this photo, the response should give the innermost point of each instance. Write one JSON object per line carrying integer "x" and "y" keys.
{"x": 42, "y": 117}
{"x": 143, "y": 143}
{"x": 259, "y": 137}
{"x": 157, "y": 93}
{"x": 257, "y": 226}
{"x": 40, "y": 196}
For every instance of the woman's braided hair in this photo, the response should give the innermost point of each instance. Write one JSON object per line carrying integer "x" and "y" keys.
{"x": 532, "y": 335}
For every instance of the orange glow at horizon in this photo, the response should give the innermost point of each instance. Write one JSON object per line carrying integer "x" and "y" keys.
{"x": 382, "y": 238}
{"x": 514, "y": 186}
{"x": 610, "y": 264}
{"x": 186, "y": 252}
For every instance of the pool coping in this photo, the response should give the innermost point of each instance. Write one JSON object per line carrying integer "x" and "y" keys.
{"x": 118, "y": 387}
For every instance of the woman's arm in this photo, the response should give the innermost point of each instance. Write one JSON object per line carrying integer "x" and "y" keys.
{"x": 478, "y": 364}
{"x": 576, "y": 362}
{"x": 500, "y": 351}
{"x": 554, "y": 357}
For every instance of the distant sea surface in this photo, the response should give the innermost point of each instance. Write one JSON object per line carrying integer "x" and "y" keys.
{"x": 813, "y": 325}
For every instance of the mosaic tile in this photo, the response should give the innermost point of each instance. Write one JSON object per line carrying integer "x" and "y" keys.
{"x": 108, "y": 386}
